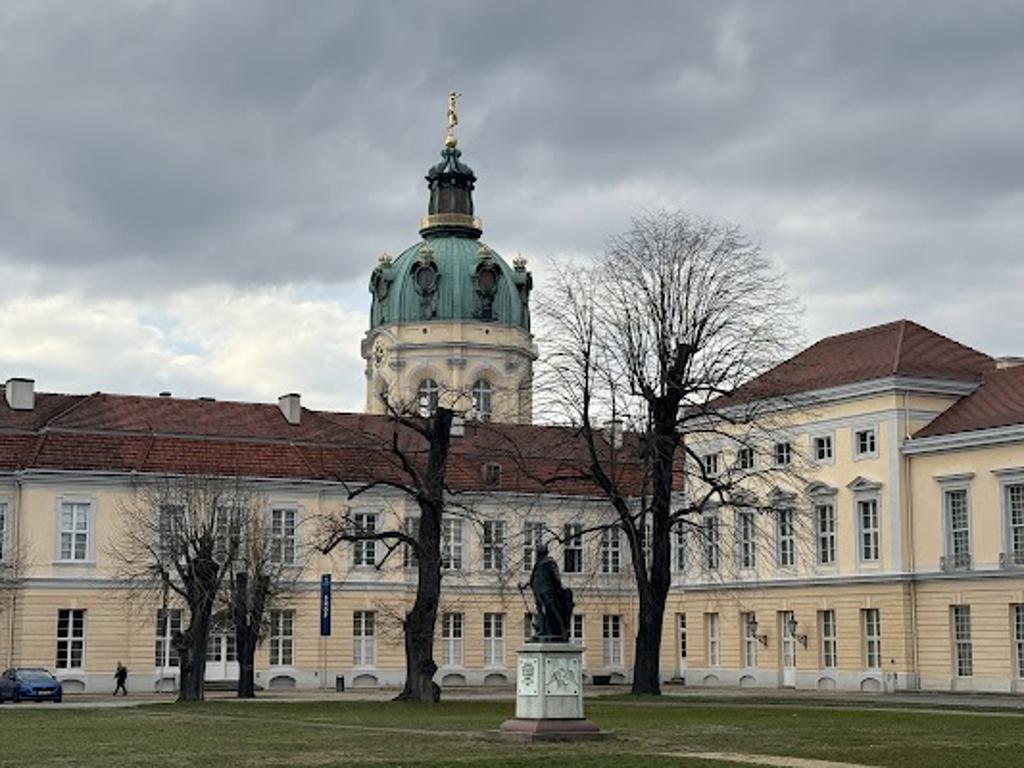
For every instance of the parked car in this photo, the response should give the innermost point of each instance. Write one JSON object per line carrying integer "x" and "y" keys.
{"x": 30, "y": 684}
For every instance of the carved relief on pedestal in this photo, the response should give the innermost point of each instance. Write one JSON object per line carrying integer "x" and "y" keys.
{"x": 527, "y": 681}
{"x": 561, "y": 676}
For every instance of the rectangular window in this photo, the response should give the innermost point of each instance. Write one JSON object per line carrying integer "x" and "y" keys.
{"x": 74, "y": 530}
{"x": 747, "y": 540}
{"x": 3, "y": 527}
{"x": 451, "y": 544}
{"x": 679, "y": 539}
{"x": 829, "y": 644}
{"x": 70, "y": 638}
{"x": 611, "y": 550}
{"x": 864, "y": 443}
{"x": 872, "y": 638}
{"x": 576, "y": 631}
{"x": 709, "y": 463}
{"x": 527, "y": 627}
{"x": 785, "y": 538}
{"x": 714, "y": 647}
{"x": 282, "y": 638}
{"x": 748, "y": 624}
{"x": 1015, "y": 522}
{"x": 572, "y": 548}
{"x": 867, "y": 515}
{"x": 612, "y": 634}
{"x": 825, "y": 524}
{"x": 745, "y": 458}
{"x": 823, "y": 448}
{"x": 1018, "y": 638}
{"x": 681, "y": 623}
{"x": 282, "y": 535}
{"x": 494, "y": 639}
{"x": 958, "y": 523}
{"x": 167, "y": 623}
{"x": 783, "y": 454}
{"x": 411, "y": 528}
{"x": 451, "y": 639}
{"x": 712, "y": 542}
{"x": 364, "y": 552}
{"x": 364, "y": 638}
{"x": 533, "y": 537}
{"x": 494, "y": 545}
{"x": 962, "y": 647}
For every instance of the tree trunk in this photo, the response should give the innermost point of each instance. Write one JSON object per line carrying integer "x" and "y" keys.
{"x": 192, "y": 652}
{"x": 246, "y": 664}
{"x": 421, "y": 621}
{"x": 647, "y": 652}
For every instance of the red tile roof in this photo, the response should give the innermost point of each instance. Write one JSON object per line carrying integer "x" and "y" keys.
{"x": 900, "y": 348}
{"x": 128, "y": 433}
{"x": 999, "y": 402}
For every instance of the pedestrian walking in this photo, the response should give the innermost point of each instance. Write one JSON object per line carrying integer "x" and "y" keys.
{"x": 121, "y": 676}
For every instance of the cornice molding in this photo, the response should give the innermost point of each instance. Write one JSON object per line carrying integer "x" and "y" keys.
{"x": 979, "y": 438}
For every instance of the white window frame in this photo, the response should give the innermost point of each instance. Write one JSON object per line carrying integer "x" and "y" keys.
{"x": 963, "y": 648}
{"x": 611, "y": 550}
{"x": 494, "y": 639}
{"x": 825, "y": 535}
{"x": 366, "y": 549}
{"x": 428, "y": 393}
{"x": 482, "y": 398}
{"x": 364, "y": 638}
{"x": 1011, "y": 501}
{"x": 165, "y": 655}
{"x": 533, "y": 536}
{"x": 572, "y": 544}
{"x": 871, "y": 631}
{"x": 957, "y": 524}
{"x": 87, "y": 509}
{"x": 829, "y": 638}
{"x": 452, "y": 543}
{"x": 872, "y": 437}
{"x": 785, "y": 538}
{"x": 681, "y": 640}
{"x": 494, "y": 546}
{"x": 281, "y": 537}
{"x": 577, "y": 630}
{"x": 282, "y": 638}
{"x": 713, "y": 649}
{"x": 411, "y": 528}
{"x": 746, "y": 458}
{"x": 711, "y": 542}
{"x": 73, "y": 640}
{"x": 680, "y": 546}
{"x": 869, "y": 539}
{"x": 782, "y": 453}
{"x": 710, "y": 463}
{"x": 749, "y": 649}
{"x": 453, "y": 632}
{"x": 827, "y": 442}
{"x": 746, "y": 535}
{"x": 1017, "y": 633}
{"x": 611, "y": 632}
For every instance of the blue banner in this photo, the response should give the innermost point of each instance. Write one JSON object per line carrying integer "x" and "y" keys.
{"x": 325, "y": 605}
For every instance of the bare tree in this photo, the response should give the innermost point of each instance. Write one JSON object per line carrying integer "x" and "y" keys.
{"x": 262, "y": 575}
{"x": 182, "y": 535}
{"x": 418, "y": 448}
{"x": 645, "y": 351}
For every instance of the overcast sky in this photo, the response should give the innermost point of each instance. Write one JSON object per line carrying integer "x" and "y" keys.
{"x": 193, "y": 194}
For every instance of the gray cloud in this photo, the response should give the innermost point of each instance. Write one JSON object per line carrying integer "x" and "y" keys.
{"x": 152, "y": 148}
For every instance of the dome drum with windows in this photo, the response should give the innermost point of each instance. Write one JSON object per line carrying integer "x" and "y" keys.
{"x": 449, "y": 316}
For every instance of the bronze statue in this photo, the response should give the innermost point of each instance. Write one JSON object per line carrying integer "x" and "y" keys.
{"x": 552, "y": 619}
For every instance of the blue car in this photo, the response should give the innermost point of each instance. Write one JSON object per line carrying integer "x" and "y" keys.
{"x": 30, "y": 684}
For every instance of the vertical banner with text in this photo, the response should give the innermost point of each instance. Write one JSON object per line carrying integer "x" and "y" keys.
{"x": 325, "y": 605}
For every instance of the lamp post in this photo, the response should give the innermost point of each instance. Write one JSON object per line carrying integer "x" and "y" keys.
{"x": 752, "y": 628}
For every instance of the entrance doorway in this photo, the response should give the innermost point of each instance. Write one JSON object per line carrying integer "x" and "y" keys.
{"x": 221, "y": 656}
{"x": 787, "y": 650}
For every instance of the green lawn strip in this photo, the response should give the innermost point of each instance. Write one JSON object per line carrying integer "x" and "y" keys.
{"x": 226, "y": 734}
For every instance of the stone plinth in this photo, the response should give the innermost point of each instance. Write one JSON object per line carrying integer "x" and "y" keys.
{"x": 549, "y": 694}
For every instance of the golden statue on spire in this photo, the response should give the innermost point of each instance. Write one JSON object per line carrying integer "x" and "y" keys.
{"x": 453, "y": 119}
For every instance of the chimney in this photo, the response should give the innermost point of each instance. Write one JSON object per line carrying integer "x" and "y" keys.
{"x": 1008, "y": 362}
{"x": 291, "y": 407}
{"x": 20, "y": 394}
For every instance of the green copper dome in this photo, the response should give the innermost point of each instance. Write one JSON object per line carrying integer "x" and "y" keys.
{"x": 450, "y": 275}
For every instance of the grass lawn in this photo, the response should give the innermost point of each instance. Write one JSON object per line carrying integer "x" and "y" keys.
{"x": 648, "y": 732}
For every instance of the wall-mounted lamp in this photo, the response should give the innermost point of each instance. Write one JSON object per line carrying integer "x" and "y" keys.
{"x": 791, "y": 626}
{"x": 752, "y": 628}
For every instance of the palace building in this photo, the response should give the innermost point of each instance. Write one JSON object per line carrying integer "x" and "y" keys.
{"x": 899, "y": 565}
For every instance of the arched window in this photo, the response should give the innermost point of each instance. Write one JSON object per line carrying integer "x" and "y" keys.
{"x": 481, "y": 393}
{"x": 426, "y": 397}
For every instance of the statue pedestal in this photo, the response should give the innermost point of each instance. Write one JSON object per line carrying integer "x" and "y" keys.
{"x": 549, "y": 695}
